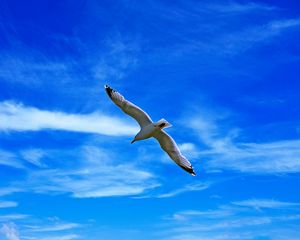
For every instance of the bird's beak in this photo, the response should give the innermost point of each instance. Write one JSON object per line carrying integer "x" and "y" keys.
{"x": 132, "y": 141}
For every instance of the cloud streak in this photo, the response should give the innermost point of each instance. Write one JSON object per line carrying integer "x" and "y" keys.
{"x": 263, "y": 158}
{"x": 8, "y": 204}
{"x": 95, "y": 173}
{"x": 40, "y": 228}
{"x": 95, "y": 179}
{"x": 225, "y": 153}
{"x": 266, "y": 203}
{"x": 237, "y": 42}
{"x": 54, "y": 228}
{"x": 237, "y": 220}
{"x": 17, "y": 117}
{"x": 234, "y": 7}
{"x": 9, "y": 159}
{"x": 34, "y": 156}
{"x": 93, "y": 183}
{"x": 62, "y": 237}
{"x": 188, "y": 188}
{"x": 10, "y": 217}
{"x": 10, "y": 231}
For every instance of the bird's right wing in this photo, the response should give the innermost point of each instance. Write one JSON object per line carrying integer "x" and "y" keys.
{"x": 129, "y": 108}
{"x": 170, "y": 147}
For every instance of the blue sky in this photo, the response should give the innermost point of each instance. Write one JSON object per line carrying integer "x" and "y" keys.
{"x": 225, "y": 74}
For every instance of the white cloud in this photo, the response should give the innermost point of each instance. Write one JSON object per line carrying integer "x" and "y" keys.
{"x": 241, "y": 41}
{"x": 120, "y": 58}
{"x": 61, "y": 237}
{"x": 186, "y": 11}
{"x": 95, "y": 173}
{"x": 263, "y": 158}
{"x": 12, "y": 159}
{"x": 9, "y": 230}
{"x": 266, "y": 203}
{"x": 34, "y": 156}
{"x": 225, "y": 153}
{"x": 46, "y": 228}
{"x": 10, "y": 217}
{"x": 9, "y": 159}
{"x": 54, "y": 228}
{"x": 219, "y": 225}
{"x": 229, "y": 30}
{"x": 7, "y": 204}
{"x": 188, "y": 188}
{"x": 210, "y": 236}
{"x": 221, "y": 212}
{"x": 279, "y": 25}
{"x": 234, "y": 221}
{"x": 9, "y": 190}
{"x": 17, "y": 117}
{"x": 234, "y": 7}
{"x": 31, "y": 65}
{"x": 189, "y": 150}
{"x": 97, "y": 181}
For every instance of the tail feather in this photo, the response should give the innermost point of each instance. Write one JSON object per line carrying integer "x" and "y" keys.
{"x": 163, "y": 123}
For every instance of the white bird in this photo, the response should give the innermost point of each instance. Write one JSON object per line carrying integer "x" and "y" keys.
{"x": 151, "y": 129}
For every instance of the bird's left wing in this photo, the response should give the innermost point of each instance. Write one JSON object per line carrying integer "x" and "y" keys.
{"x": 170, "y": 147}
{"x": 128, "y": 107}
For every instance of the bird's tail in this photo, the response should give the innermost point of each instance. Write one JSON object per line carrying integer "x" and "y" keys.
{"x": 163, "y": 123}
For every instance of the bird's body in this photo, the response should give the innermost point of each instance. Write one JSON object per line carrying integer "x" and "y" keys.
{"x": 151, "y": 129}
{"x": 146, "y": 132}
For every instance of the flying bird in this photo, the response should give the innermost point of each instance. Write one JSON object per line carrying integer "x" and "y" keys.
{"x": 151, "y": 129}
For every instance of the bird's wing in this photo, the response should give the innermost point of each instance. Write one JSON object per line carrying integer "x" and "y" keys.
{"x": 132, "y": 110}
{"x": 170, "y": 147}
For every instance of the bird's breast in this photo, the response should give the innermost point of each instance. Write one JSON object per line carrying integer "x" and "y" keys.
{"x": 147, "y": 132}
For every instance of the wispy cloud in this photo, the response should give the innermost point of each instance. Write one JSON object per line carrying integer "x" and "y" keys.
{"x": 120, "y": 58}
{"x": 34, "y": 156}
{"x": 12, "y": 217}
{"x": 9, "y": 159}
{"x": 17, "y": 117}
{"x": 228, "y": 31}
{"x": 31, "y": 66}
{"x": 235, "y": 7}
{"x": 9, "y": 230}
{"x": 189, "y": 149}
{"x": 62, "y": 237}
{"x": 31, "y": 227}
{"x": 241, "y": 41}
{"x": 8, "y": 190}
{"x": 188, "y": 188}
{"x": 8, "y": 204}
{"x": 266, "y": 203}
{"x": 93, "y": 182}
{"x": 233, "y": 221}
{"x": 226, "y": 153}
{"x": 95, "y": 173}
{"x": 54, "y": 228}
{"x": 186, "y": 11}
{"x": 263, "y": 158}
{"x": 214, "y": 228}
{"x": 222, "y": 211}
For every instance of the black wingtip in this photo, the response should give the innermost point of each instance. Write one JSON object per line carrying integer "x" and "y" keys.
{"x": 189, "y": 170}
{"x": 108, "y": 90}
{"x": 192, "y": 172}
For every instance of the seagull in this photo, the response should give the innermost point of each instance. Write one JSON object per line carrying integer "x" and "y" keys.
{"x": 151, "y": 129}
